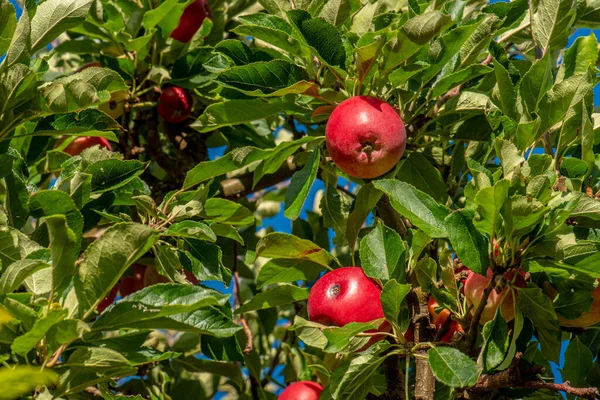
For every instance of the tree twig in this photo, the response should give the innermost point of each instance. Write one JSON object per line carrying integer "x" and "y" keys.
{"x": 236, "y": 289}
{"x": 425, "y": 381}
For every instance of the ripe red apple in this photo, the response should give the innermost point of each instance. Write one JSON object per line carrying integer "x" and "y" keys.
{"x": 438, "y": 319}
{"x": 365, "y": 137}
{"x": 303, "y": 390}
{"x": 175, "y": 104}
{"x": 88, "y": 65}
{"x": 108, "y": 300}
{"x": 452, "y": 329}
{"x": 475, "y": 287}
{"x": 191, "y": 20}
{"x": 346, "y": 295}
{"x": 81, "y": 143}
{"x": 133, "y": 283}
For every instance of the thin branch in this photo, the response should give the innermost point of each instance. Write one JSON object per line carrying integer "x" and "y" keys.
{"x": 425, "y": 381}
{"x": 236, "y": 289}
{"x": 528, "y": 379}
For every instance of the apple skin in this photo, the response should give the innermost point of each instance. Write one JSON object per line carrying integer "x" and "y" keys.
{"x": 365, "y": 137}
{"x": 438, "y": 319}
{"x": 452, "y": 329}
{"x": 475, "y": 287}
{"x": 191, "y": 20}
{"x": 347, "y": 295}
{"x": 108, "y": 300}
{"x": 81, "y": 143}
{"x": 302, "y": 390}
{"x": 131, "y": 284}
{"x": 175, "y": 104}
{"x": 586, "y": 319}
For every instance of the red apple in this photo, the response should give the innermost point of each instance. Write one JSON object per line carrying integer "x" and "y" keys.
{"x": 365, "y": 137}
{"x": 175, "y": 104}
{"x": 131, "y": 284}
{"x": 438, "y": 319}
{"x": 303, "y": 390}
{"x": 81, "y": 143}
{"x": 475, "y": 286}
{"x": 88, "y": 65}
{"x": 191, "y": 20}
{"x": 108, "y": 300}
{"x": 452, "y": 329}
{"x": 346, "y": 295}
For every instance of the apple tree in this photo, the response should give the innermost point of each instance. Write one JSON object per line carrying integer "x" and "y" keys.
{"x": 432, "y": 167}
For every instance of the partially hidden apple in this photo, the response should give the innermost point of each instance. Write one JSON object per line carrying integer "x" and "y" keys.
{"x": 115, "y": 107}
{"x": 347, "y": 295}
{"x": 191, "y": 20}
{"x": 108, "y": 300}
{"x": 475, "y": 286}
{"x": 439, "y": 319}
{"x": 133, "y": 283}
{"x": 365, "y": 137}
{"x": 175, "y": 104}
{"x": 83, "y": 142}
{"x": 302, "y": 390}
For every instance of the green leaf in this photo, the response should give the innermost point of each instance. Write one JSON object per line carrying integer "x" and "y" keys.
{"x": 489, "y": 202}
{"x": 579, "y": 57}
{"x": 536, "y": 82}
{"x": 392, "y": 296}
{"x": 205, "y": 260}
{"x": 422, "y": 28}
{"x": 563, "y": 98}
{"x": 97, "y": 359}
{"x": 276, "y": 7}
{"x": 283, "y": 245}
{"x": 346, "y": 339}
{"x": 23, "y": 344}
{"x": 276, "y": 78}
{"x": 578, "y": 362}
{"x": 362, "y": 21}
{"x": 55, "y": 202}
{"x": 234, "y": 112}
{"x": 535, "y": 305}
{"x": 452, "y": 367}
{"x": 8, "y": 24}
{"x": 336, "y": 12}
{"x": 270, "y": 29}
{"x": 335, "y": 205}
{"x": 192, "y": 230}
{"x": 448, "y": 82}
{"x": 524, "y": 214}
{"x": 63, "y": 243}
{"x": 321, "y": 36}
{"x": 505, "y": 91}
{"x": 227, "y": 212}
{"x": 53, "y": 17}
{"x": 287, "y": 270}
{"x": 573, "y": 168}
{"x": 227, "y": 369}
{"x": 89, "y": 87}
{"x": 418, "y": 171}
{"x": 106, "y": 259}
{"x": 278, "y": 296}
{"x": 111, "y": 174}
{"x": 510, "y": 156}
{"x": 14, "y": 275}
{"x": 300, "y": 185}
{"x": 155, "y": 302}
{"x": 366, "y": 198}
{"x": 22, "y": 380}
{"x": 20, "y": 45}
{"x": 352, "y": 379}
{"x": 470, "y": 245}
{"x": 418, "y": 207}
{"x": 495, "y": 335}
{"x": 551, "y": 23}
{"x": 229, "y": 162}
{"x": 381, "y": 252}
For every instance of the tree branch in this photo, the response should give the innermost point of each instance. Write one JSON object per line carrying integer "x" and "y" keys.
{"x": 527, "y": 379}
{"x": 425, "y": 381}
